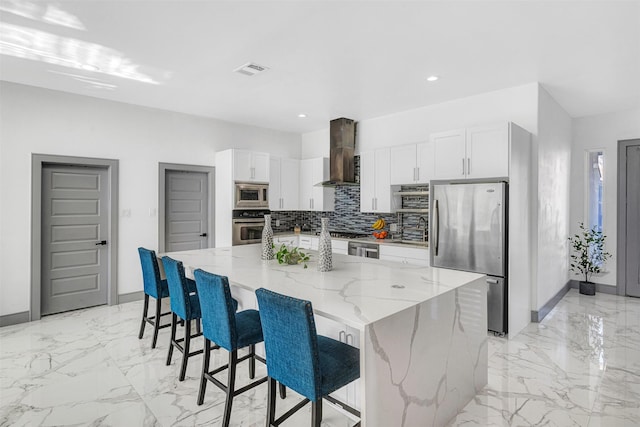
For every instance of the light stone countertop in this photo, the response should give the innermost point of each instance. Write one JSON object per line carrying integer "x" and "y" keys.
{"x": 357, "y": 292}
{"x": 371, "y": 239}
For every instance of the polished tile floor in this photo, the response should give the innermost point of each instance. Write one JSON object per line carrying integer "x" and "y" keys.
{"x": 579, "y": 367}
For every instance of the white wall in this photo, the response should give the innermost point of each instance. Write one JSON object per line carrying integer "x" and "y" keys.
{"x": 601, "y": 132}
{"x": 36, "y": 120}
{"x": 517, "y": 104}
{"x": 551, "y": 217}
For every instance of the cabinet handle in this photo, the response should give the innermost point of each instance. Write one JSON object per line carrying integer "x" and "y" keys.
{"x": 468, "y": 166}
{"x": 414, "y": 174}
{"x": 417, "y": 174}
{"x": 372, "y": 204}
{"x": 463, "y": 166}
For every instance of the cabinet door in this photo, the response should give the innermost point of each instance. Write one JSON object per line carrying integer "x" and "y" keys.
{"x": 242, "y": 165}
{"x": 306, "y": 184}
{"x": 488, "y": 151}
{"x": 383, "y": 197}
{"x": 305, "y": 242}
{"x": 425, "y": 169}
{"x": 275, "y": 182}
{"x": 449, "y": 153}
{"x": 403, "y": 164}
{"x": 322, "y": 197}
{"x": 260, "y": 167}
{"x": 289, "y": 184}
{"x": 367, "y": 181}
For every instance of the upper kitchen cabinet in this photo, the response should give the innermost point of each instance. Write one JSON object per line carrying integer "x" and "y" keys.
{"x": 479, "y": 152}
{"x": 250, "y": 166}
{"x": 412, "y": 164}
{"x": 450, "y": 154}
{"x": 313, "y": 197}
{"x": 375, "y": 182}
{"x": 284, "y": 184}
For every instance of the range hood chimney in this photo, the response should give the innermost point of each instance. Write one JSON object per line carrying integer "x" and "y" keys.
{"x": 342, "y": 145}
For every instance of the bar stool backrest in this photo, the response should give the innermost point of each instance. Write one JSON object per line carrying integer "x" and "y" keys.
{"x": 178, "y": 289}
{"x": 150, "y": 272}
{"x": 218, "y": 313}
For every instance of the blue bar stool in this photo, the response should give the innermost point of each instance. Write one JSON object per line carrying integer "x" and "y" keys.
{"x": 229, "y": 330}
{"x": 184, "y": 305}
{"x": 299, "y": 358}
{"x": 154, "y": 287}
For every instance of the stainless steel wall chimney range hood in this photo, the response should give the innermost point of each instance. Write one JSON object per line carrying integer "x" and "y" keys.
{"x": 342, "y": 145}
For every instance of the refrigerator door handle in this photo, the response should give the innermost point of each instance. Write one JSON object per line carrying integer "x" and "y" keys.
{"x": 437, "y": 226}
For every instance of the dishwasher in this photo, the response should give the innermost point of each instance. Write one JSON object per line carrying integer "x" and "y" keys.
{"x": 363, "y": 249}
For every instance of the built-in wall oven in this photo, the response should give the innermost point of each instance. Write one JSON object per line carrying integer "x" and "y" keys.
{"x": 247, "y": 226}
{"x": 251, "y": 196}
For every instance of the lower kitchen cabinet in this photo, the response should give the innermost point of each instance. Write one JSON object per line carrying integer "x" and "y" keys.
{"x": 308, "y": 242}
{"x": 287, "y": 240}
{"x": 405, "y": 255}
{"x": 349, "y": 394}
{"x": 340, "y": 247}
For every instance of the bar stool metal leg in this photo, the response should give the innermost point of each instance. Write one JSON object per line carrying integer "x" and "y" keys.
{"x": 185, "y": 352}
{"x": 156, "y": 323}
{"x": 144, "y": 316}
{"x": 233, "y": 361}
{"x": 174, "y": 321}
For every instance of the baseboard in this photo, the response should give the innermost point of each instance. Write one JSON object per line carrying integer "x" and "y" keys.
{"x": 537, "y": 316}
{"x": 130, "y": 297}
{"x": 14, "y": 319}
{"x": 605, "y": 289}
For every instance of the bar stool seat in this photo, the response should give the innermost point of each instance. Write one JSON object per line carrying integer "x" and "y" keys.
{"x": 154, "y": 287}
{"x": 229, "y": 330}
{"x": 300, "y": 359}
{"x": 185, "y": 305}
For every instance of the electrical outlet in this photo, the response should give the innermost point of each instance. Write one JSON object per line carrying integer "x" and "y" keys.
{"x": 277, "y": 223}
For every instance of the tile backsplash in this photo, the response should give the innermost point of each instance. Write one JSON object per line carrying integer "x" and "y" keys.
{"x": 347, "y": 216}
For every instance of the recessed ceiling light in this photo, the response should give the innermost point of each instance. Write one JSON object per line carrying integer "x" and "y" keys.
{"x": 302, "y": 115}
{"x": 432, "y": 78}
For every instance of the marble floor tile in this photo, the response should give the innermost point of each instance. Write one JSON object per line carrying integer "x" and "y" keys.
{"x": 579, "y": 367}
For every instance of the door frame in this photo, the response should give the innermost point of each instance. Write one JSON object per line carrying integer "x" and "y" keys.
{"x": 38, "y": 161}
{"x": 621, "y": 252}
{"x": 162, "y": 179}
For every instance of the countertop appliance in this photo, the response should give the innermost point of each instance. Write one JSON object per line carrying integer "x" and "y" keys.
{"x": 363, "y": 249}
{"x": 250, "y": 195}
{"x": 247, "y": 225}
{"x": 469, "y": 233}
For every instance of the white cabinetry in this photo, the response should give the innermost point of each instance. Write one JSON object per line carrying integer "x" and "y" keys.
{"x": 312, "y": 197}
{"x": 479, "y": 152}
{"x": 308, "y": 242}
{"x": 250, "y": 166}
{"x": 283, "y": 184}
{"x": 349, "y": 394}
{"x": 450, "y": 154}
{"x": 405, "y": 255}
{"x": 340, "y": 247}
{"x": 287, "y": 240}
{"x": 412, "y": 164}
{"x": 375, "y": 182}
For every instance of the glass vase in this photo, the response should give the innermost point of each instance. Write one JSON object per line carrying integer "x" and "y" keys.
{"x": 325, "y": 262}
{"x": 267, "y": 239}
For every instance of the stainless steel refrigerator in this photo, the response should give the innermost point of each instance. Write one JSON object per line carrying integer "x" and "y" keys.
{"x": 469, "y": 233}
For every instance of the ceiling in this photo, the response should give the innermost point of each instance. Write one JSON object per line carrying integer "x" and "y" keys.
{"x": 326, "y": 59}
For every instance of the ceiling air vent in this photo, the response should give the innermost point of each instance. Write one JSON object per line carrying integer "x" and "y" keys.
{"x": 251, "y": 69}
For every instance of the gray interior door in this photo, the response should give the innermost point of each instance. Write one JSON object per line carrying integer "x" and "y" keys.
{"x": 186, "y": 216}
{"x": 633, "y": 221}
{"x": 75, "y": 232}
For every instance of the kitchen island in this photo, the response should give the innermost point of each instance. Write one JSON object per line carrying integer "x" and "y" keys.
{"x": 422, "y": 332}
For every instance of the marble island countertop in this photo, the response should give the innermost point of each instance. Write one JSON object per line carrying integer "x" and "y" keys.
{"x": 387, "y": 241}
{"x": 358, "y": 291}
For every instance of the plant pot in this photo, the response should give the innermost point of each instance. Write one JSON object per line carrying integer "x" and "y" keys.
{"x": 587, "y": 288}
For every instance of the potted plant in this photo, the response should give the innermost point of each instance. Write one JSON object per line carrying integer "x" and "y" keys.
{"x": 291, "y": 256}
{"x": 588, "y": 256}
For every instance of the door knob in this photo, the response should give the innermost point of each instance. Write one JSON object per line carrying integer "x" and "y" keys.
{"x": 101, "y": 243}
{"x": 203, "y": 235}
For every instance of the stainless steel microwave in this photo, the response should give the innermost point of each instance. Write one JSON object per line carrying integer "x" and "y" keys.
{"x": 251, "y": 196}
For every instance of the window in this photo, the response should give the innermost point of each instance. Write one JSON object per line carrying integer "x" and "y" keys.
{"x": 595, "y": 180}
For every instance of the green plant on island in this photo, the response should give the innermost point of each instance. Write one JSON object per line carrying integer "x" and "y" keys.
{"x": 589, "y": 254}
{"x": 291, "y": 256}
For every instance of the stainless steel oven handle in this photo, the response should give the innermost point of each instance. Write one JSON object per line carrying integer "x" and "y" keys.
{"x": 437, "y": 226}
{"x": 248, "y": 221}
